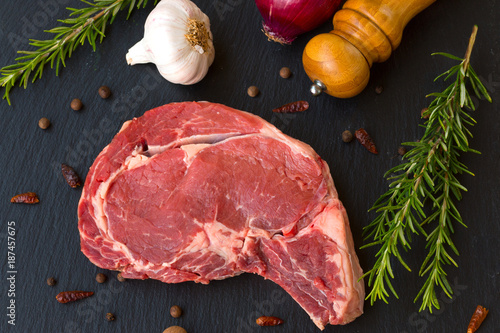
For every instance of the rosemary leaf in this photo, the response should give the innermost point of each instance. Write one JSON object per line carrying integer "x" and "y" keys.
{"x": 85, "y": 24}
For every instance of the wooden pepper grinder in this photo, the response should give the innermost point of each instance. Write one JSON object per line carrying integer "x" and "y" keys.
{"x": 365, "y": 31}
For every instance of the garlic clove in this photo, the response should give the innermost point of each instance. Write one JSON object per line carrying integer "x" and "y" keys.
{"x": 188, "y": 71}
{"x": 138, "y": 54}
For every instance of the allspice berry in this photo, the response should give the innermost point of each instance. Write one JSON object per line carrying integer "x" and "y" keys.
{"x": 76, "y": 104}
{"x": 347, "y": 136}
{"x": 285, "y": 72}
{"x": 104, "y": 92}
{"x": 379, "y": 89}
{"x": 422, "y": 113}
{"x": 252, "y": 91}
{"x": 44, "y": 123}
{"x": 175, "y": 311}
{"x": 120, "y": 278}
{"x": 401, "y": 150}
{"x": 175, "y": 329}
{"x": 100, "y": 278}
{"x": 51, "y": 281}
{"x": 110, "y": 316}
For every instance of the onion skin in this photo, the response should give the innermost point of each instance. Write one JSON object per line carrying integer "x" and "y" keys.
{"x": 284, "y": 20}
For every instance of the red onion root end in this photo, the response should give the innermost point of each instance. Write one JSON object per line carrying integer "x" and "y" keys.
{"x": 273, "y": 36}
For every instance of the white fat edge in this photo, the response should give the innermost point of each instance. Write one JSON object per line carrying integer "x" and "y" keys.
{"x": 329, "y": 226}
{"x": 297, "y": 146}
{"x": 98, "y": 202}
{"x": 102, "y": 220}
{"x": 333, "y": 222}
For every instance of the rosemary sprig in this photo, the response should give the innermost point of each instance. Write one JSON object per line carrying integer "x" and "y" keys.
{"x": 84, "y": 24}
{"x": 427, "y": 175}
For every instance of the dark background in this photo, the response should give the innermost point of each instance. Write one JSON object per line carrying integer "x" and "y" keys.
{"x": 47, "y": 239}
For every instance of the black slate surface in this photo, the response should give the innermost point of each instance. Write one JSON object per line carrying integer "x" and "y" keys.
{"x": 46, "y": 235}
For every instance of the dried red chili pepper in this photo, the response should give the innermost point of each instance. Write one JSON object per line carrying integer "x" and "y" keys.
{"x": 365, "y": 140}
{"x": 298, "y": 106}
{"x": 70, "y": 176}
{"x": 27, "y": 198}
{"x": 269, "y": 321}
{"x": 477, "y": 319}
{"x": 71, "y": 296}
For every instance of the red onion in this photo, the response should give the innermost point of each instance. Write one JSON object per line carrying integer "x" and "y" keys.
{"x": 284, "y": 20}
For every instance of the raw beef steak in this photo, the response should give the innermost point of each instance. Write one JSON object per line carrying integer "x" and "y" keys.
{"x": 200, "y": 191}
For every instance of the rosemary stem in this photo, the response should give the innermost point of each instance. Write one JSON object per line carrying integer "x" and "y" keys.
{"x": 472, "y": 40}
{"x": 429, "y": 172}
{"x": 89, "y": 21}
{"x": 84, "y": 24}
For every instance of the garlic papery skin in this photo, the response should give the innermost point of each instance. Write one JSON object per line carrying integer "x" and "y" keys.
{"x": 178, "y": 40}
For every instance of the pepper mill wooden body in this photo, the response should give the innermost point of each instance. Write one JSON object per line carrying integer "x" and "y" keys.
{"x": 365, "y": 31}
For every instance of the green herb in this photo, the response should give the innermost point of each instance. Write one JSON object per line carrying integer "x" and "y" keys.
{"x": 87, "y": 23}
{"x": 427, "y": 176}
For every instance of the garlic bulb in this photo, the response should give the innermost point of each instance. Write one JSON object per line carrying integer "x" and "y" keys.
{"x": 178, "y": 40}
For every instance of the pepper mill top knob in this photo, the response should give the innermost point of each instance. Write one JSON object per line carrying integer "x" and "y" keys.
{"x": 365, "y": 31}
